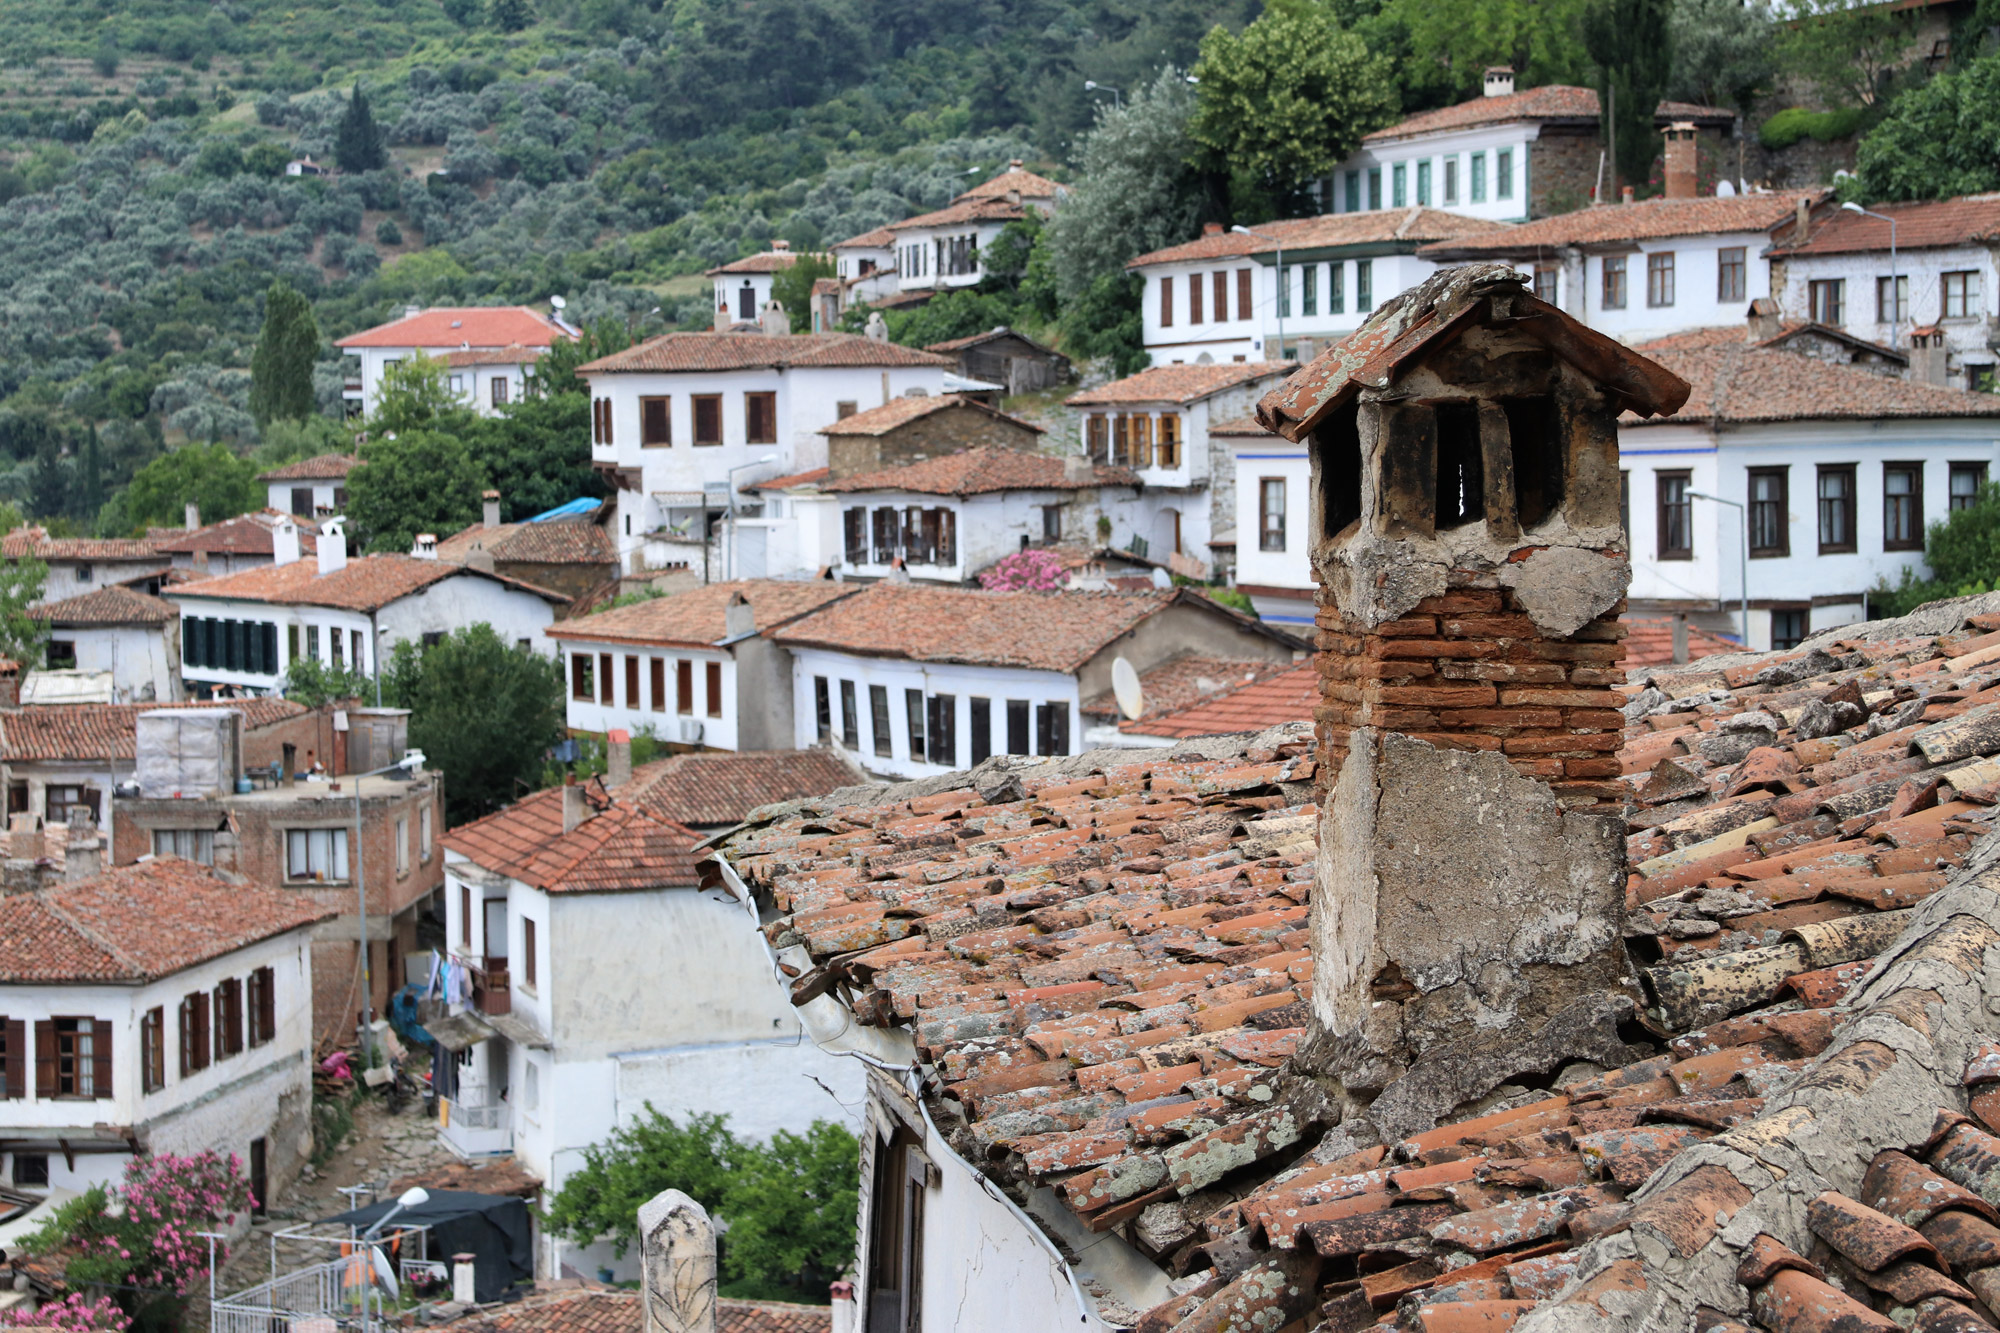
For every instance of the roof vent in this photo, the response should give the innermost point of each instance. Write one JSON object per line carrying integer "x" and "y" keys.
{"x": 1499, "y": 80}
{"x": 458, "y": 323}
{"x": 1013, "y": 164}
{"x": 426, "y": 547}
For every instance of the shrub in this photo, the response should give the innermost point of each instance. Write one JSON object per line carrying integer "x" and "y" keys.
{"x": 388, "y": 233}
{"x": 1795, "y": 123}
{"x": 1032, "y": 570}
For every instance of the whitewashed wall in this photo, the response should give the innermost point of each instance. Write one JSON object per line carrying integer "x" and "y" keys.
{"x": 1923, "y": 270}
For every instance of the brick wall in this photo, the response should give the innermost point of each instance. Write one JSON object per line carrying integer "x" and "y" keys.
{"x": 934, "y": 436}
{"x": 1562, "y": 168}
{"x": 570, "y": 577}
{"x": 311, "y": 733}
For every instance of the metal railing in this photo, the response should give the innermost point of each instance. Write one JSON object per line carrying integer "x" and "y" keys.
{"x": 460, "y": 1116}
{"x": 303, "y": 1294}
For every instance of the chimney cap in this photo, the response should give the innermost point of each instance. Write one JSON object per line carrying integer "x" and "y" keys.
{"x": 1211, "y": 229}
{"x": 1013, "y": 164}
{"x": 780, "y": 247}
{"x": 489, "y": 494}
{"x": 1499, "y": 81}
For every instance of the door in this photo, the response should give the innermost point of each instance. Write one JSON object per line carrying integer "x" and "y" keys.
{"x": 495, "y": 938}
{"x": 896, "y": 1252}
{"x": 259, "y": 1178}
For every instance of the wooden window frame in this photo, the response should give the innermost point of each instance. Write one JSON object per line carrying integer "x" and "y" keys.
{"x": 1195, "y": 294}
{"x": 1915, "y": 541}
{"x": 880, "y": 731}
{"x": 1957, "y": 470}
{"x": 1892, "y": 309}
{"x": 1166, "y": 300}
{"x": 1612, "y": 278}
{"x": 1266, "y": 529}
{"x": 1662, "y": 518}
{"x": 1246, "y": 293}
{"x": 712, "y": 687}
{"x": 153, "y": 1050}
{"x": 1660, "y": 284}
{"x": 528, "y": 964}
{"x": 1850, "y": 504}
{"x": 1219, "y": 294}
{"x": 632, "y": 682}
{"x": 1826, "y": 301}
{"x": 263, "y": 1007}
{"x": 705, "y": 404}
{"x": 655, "y": 410}
{"x": 1732, "y": 273}
{"x": 684, "y": 687}
{"x": 656, "y": 676}
{"x": 760, "y": 417}
{"x": 1967, "y": 285}
{"x": 607, "y": 682}
{"x": 1783, "y": 546}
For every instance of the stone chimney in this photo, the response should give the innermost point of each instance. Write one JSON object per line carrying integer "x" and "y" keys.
{"x": 285, "y": 542}
{"x": 1802, "y": 219}
{"x": 773, "y": 321}
{"x": 1625, "y": 195}
{"x": 617, "y": 758}
{"x": 1764, "y": 321}
{"x": 489, "y": 502}
{"x": 1499, "y": 81}
{"x": 722, "y": 317}
{"x": 192, "y": 516}
{"x": 781, "y": 247}
{"x": 83, "y": 854}
{"x": 1682, "y": 160}
{"x": 1211, "y": 229}
{"x": 576, "y": 806}
{"x": 739, "y": 618}
{"x": 676, "y": 1265}
{"x": 1078, "y": 470}
{"x": 1468, "y": 906}
{"x": 332, "y": 548}
{"x": 425, "y": 547}
{"x": 1929, "y": 357}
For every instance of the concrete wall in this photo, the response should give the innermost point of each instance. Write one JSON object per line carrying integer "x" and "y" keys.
{"x": 325, "y": 494}
{"x": 67, "y": 577}
{"x": 1288, "y": 569}
{"x": 765, "y": 719}
{"x": 144, "y": 661}
{"x": 1965, "y": 337}
{"x": 1255, "y": 337}
{"x": 947, "y": 431}
{"x": 660, "y": 715}
{"x": 452, "y": 604}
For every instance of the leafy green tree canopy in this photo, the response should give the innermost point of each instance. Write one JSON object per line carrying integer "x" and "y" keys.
{"x": 793, "y": 287}
{"x": 209, "y": 476}
{"x": 535, "y": 455}
{"x": 1539, "y": 39}
{"x": 1722, "y": 52}
{"x": 281, "y": 366}
{"x": 1852, "y": 54}
{"x": 416, "y": 395}
{"x": 22, "y": 637}
{"x": 1963, "y": 553}
{"x": 1631, "y": 43}
{"x": 1939, "y": 140}
{"x": 417, "y": 481}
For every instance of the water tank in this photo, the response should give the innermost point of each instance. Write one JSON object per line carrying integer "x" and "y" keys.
{"x": 189, "y": 751}
{"x": 376, "y": 738}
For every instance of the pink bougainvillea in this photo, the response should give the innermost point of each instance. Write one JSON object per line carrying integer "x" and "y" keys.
{"x": 73, "y": 1314}
{"x": 1032, "y": 570}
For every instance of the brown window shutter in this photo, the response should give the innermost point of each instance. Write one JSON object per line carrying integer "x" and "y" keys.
{"x": 267, "y": 1005}
{"x": 100, "y": 1059}
{"x": 187, "y": 1045}
{"x": 45, "y": 1058}
{"x": 17, "y": 1059}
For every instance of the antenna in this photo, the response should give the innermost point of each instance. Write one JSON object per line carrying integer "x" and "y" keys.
{"x": 1125, "y": 686}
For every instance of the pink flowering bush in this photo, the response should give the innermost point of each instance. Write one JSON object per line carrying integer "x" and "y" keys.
{"x": 73, "y": 1314}
{"x": 1032, "y": 570}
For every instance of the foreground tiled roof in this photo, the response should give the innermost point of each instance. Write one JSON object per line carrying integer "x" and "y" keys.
{"x": 750, "y": 351}
{"x": 98, "y": 733}
{"x": 1968, "y": 220}
{"x": 1178, "y": 384}
{"x": 555, "y": 543}
{"x": 1408, "y": 225}
{"x": 1628, "y": 222}
{"x": 36, "y": 542}
{"x": 1104, "y": 964}
{"x": 140, "y": 922}
{"x": 1269, "y": 701}
{"x": 246, "y": 534}
{"x": 365, "y": 583}
{"x": 594, "y": 1309}
{"x": 323, "y": 467}
{"x": 901, "y": 411}
{"x": 458, "y": 326}
{"x": 618, "y": 848}
{"x": 1733, "y": 382}
{"x": 1554, "y": 102}
{"x": 705, "y": 789}
{"x": 698, "y": 618}
{"x": 1180, "y": 683}
{"x": 1649, "y": 642}
{"x": 114, "y": 605}
{"x": 982, "y": 471}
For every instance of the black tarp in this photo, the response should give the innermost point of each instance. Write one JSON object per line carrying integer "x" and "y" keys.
{"x": 493, "y": 1228}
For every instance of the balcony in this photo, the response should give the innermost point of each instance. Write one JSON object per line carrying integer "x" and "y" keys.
{"x": 475, "y": 1131}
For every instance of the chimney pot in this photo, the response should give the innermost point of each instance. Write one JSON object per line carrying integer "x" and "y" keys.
{"x": 1211, "y": 229}
{"x": 617, "y": 758}
{"x": 285, "y": 543}
{"x": 490, "y": 506}
{"x": 1802, "y": 219}
{"x": 1013, "y": 164}
{"x": 722, "y": 319}
{"x": 426, "y": 547}
{"x": 332, "y": 547}
{"x": 781, "y": 247}
{"x": 1499, "y": 81}
{"x": 1625, "y": 195}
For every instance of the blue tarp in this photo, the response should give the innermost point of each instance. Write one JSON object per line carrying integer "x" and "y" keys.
{"x": 574, "y": 509}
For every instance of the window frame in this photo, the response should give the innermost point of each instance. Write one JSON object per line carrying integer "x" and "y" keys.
{"x": 880, "y": 733}
{"x": 1660, "y": 280}
{"x": 1219, "y": 297}
{"x": 1663, "y": 517}
{"x": 1979, "y": 471}
{"x": 1848, "y": 503}
{"x": 1271, "y": 536}
{"x": 1503, "y": 173}
{"x": 1612, "y": 290}
{"x": 153, "y": 1050}
{"x": 1915, "y": 500}
{"x": 661, "y": 403}
{"x": 709, "y": 404}
{"x": 1883, "y": 283}
{"x": 339, "y": 856}
{"x": 711, "y": 680}
{"x": 1196, "y": 283}
{"x": 1783, "y": 545}
{"x": 1732, "y": 273}
{"x": 1966, "y": 295}
{"x": 760, "y": 416}
{"x": 1826, "y": 301}
{"x": 1804, "y": 613}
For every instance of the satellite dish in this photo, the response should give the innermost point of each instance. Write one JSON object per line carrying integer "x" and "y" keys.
{"x": 558, "y": 303}
{"x": 385, "y": 1272}
{"x": 1125, "y": 686}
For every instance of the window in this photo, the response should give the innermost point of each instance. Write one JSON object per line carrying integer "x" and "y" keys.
{"x": 424, "y": 833}
{"x": 760, "y": 418}
{"x": 61, "y": 654}
{"x": 1309, "y": 290}
{"x": 64, "y": 801}
{"x": 878, "y": 720}
{"x": 1902, "y": 507}
{"x": 497, "y": 387}
{"x": 31, "y": 1169}
{"x": 1271, "y": 514}
{"x": 73, "y": 1058}
{"x": 1660, "y": 279}
{"x": 354, "y": 642}
{"x": 746, "y": 302}
{"x": 229, "y": 1018}
{"x": 312, "y": 642}
{"x": 1017, "y": 726}
{"x": 403, "y": 845}
{"x": 316, "y": 854}
{"x": 1364, "y": 286}
{"x": 1826, "y": 300}
{"x": 656, "y": 423}
{"x": 854, "y": 535}
{"x": 1614, "y": 282}
{"x": 1836, "y": 508}
{"x": 845, "y": 408}
{"x": 153, "y": 1050}
{"x": 528, "y": 951}
{"x": 604, "y": 680}
{"x": 1194, "y": 287}
{"x": 656, "y": 673}
{"x": 1478, "y": 174}
{"x": 1503, "y": 173}
{"x": 1168, "y": 454}
{"x": 1220, "y": 289}
{"x": 1052, "y": 728}
{"x": 13, "y": 1060}
{"x": 1770, "y": 530}
{"x": 1730, "y": 274}
{"x": 1548, "y": 283}
{"x": 1676, "y": 518}
{"x": 822, "y": 709}
{"x": 1052, "y": 523}
{"x": 1966, "y": 479}
{"x": 1246, "y": 303}
{"x": 1450, "y": 181}
{"x": 684, "y": 687}
{"x": 1354, "y": 192}
{"x": 292, "y": 643}
{"x": 1398, "y": 195}
{"x": 631, "y": 681}
{"x": 712, "y": 687}
{"x": 189, "y": 844}
{"x": 942, "y": 715}
{"x": 1979, "y": 378}
{"x": 1789, "y": 627}
{"x": 982, "y": 729}
{"x": 1892, "y": 300}
{"x": 850, "y": 719}
{"x": 1374, "y": 188}
{"x": 600, "y": 420}
{"x": 707, "y": 418}
{"x": 1097, "y": 438}
{"x": 1166, "y": 301}
{"x": 84, "y": 573}
{"x": 1284, "y": 291}
{"x": 1423, "y": 184}
{"x": 1336, "y": 288}
{"x": 1961, "y": 294}
{"x": 913, "y": 718}
{"x": 465, "y": 916}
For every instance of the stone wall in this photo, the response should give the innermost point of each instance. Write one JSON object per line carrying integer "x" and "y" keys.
{"x": 1562, "y": 168}
{"x": 944, "y": 432}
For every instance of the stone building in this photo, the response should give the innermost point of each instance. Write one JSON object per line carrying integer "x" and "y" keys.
{"x": 913, "y": 429}
{"x": 570, "y": 555}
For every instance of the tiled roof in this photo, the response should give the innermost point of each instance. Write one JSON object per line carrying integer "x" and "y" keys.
{"x": 140, "y": 922}
{"x": 1179, "y": 384}
{"x": 978, "y": 339}
{"x": 616, "y": 849}
{"x": 698, "y": 618}
{"x": 1180, "y": 683}
{"x": 1044, "y": 631}
{"x": 1269, "y": 701}
{"x": 1554, "y": 102}
{"x": 769, "y": 261}
{"x": 1649, "y": 642}
{"x": 1968, "y": 220}
{"x": 810, "y": 477}
{"x": 983, "y": 471}
{"x": 98, "y": 733}
{"x": 36, "y": 542}
{"x": 1618, "y": 223}
{"x": 562, "y": 542}
{"x": 594, "y": 1309}
{"x": 324, "y": 467}
{"x": 457, "y": 326}
{"x": 901, "y": 411}
{"x": 246, "y": 534}
{"x": 879, "y": 239}
{"x": 365, "y": 583}
{"x": 1014, "y": 180}
{"x": 1107, "y": 967}
{"x": 516, "y": 355}
{"x": 1734, "y": 382}
{"x": 1410, "y": 225}
{"x": 752, "y": 351}
{"x": 1237, "y": 426}
{"x": 705, "y": 789}
{"x": 114, "y": 605}
{"x": 965, "y": 209}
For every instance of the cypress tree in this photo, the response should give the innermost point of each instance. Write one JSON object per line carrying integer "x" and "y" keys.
{"x": 357, "y": 143}
{"x": 90, "y": 478}
{"x": 1631, "y": 44}
{"x": 511, "y": 15}
{"x": 281, "y": 367}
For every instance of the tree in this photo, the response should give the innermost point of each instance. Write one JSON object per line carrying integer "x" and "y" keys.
{"x": 483, "y": 712}
{"x": 311, "y": 682}
{"x": 1538, "y": 39}
{"x": 89, "y": 470}
{"x": 535, "y": 453}
{"x": 1963, "y": 553}
{"x": 1632, "y": 45}
{"x": 357, "y": 141}
{"x": 793, "y": 287}
{"x": 416, "y": 481}
{"x": 511, "y": 15}
{"x": 22, "y": 637}
{"x": 416, "y": 395}
{"x": 1288, "y": 99}
{"x": 634, "y": 1163}
{"x": 281, "y": 366}
{"x": 1722, "y": 52}
{"x": 210, "y": 476}
{"x": 1939, "y": 140}
{"x": 1853, "y": 54}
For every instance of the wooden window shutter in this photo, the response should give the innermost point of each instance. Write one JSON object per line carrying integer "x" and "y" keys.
{"x": 45, "y": 1058}
{"x": 185, "y": 1033}
{"x": 17, "y": 1060}
{"x": 100, "y": 1058}
{"x": 267, "y": 1004}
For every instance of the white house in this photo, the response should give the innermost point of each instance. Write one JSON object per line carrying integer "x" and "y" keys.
{"x": 134, "y": 637}
{"x": 680, "y": 422}
{"x": 1832, "y": 473}
{"x": 695, "y": 667}
{"x": 310, "y": 487}
{"x": 1840, "y": 273}
{"x": 743, "y": 286}
{"x": 1272, "y": 522}
{"x": 1642, "y": 271}
{"x": 1229, "y": 295}
{"x": 79, "y": 565}
{"x": 941, "y": 249}
{"x": 153, "y": 1008}
{"x": 865, "y": 267}
{"x": 913, "y": 680}
{"x": 1506, "y": 156}
{"x": 611, "y": 979}
{"x": 1157, "y": 423}
{"x": 247, "y": 629}
{"x": 514, "y": 330}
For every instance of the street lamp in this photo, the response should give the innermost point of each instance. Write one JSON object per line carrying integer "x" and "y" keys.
{"x": 414, "y": 1197}
{"x": 1743, "y": 558}
{"x": 1284, "y": 292}
{"x": 1895, "y": 286}
{"x": 1093, "y": 86}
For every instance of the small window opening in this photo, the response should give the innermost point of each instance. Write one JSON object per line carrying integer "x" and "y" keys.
{"x": 1339, "y": 441}
{"x": 1532, "y": 426}
{"x": 1461, "y": 480}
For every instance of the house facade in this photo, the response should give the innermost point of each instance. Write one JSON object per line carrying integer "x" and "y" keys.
{"x": 249, "y": 541}
{"x": 569, "y": 555}
{"x": 311, "y": 487}
{"x": 1272, "y": 522}
{"x": 79, "y": 565}
{"x": 151, "y": 1009}
{"x": 743, "y": 286}
{"x": 438, "y": 332}
{"x": 940, "y": 250}
{"x": 133, "y": 637}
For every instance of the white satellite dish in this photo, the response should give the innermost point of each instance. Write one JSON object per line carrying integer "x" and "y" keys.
{"x": 1125, "y": 686}
{"x": 384, "y": 1271}
{"x": 558, "y": 303}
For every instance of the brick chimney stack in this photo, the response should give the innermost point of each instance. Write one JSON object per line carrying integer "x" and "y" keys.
{"x": 1682, "y": 161}
{"x": 1468, "y": 909}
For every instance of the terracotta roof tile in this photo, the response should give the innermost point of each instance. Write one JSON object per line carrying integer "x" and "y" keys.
{"x": 246, "y": 534}
{"x": 1552, "y": 102}
{"x": 1269, "y": 701}
{"x": 559, "y": 542}
{"x": 593, "y": 1309}
{"x": 515, "y": 355}
{"x": 1179, "y": 384}
{"x": 140, "y": 922}
{"x": 1618, "y": 223}
{"x": 114, "y": 605}
{"x": 1014, "y": 180}
{"x": 455, "y": 326}
{"x": 747, "y": 351}
{"x": 963, "y": 210}
{"x": 1409, "y": 226}
{"x": 323, "y": 467}
{"x": 810, "y": 477}
{"x": 98, "y": 732}
{"x": 879, "y": 239}
{"x": 983, "y": 471}
{"x": 901, "y": 411}
{"x": 1734, "y": 382}
{"x": 36, "y": 542}
{"x": 705, "y": 789}
{"x": 698, "y": 617}
{"x": 617, "y": 848}
{"x": 977, "y": 339}
{"x": 1649, "y": 642}
{"x": 768, "y": 261}
{"x": 365, "y": 583}
{"x": 1967, "y": 220}
{"x": 1181, "y": 683}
